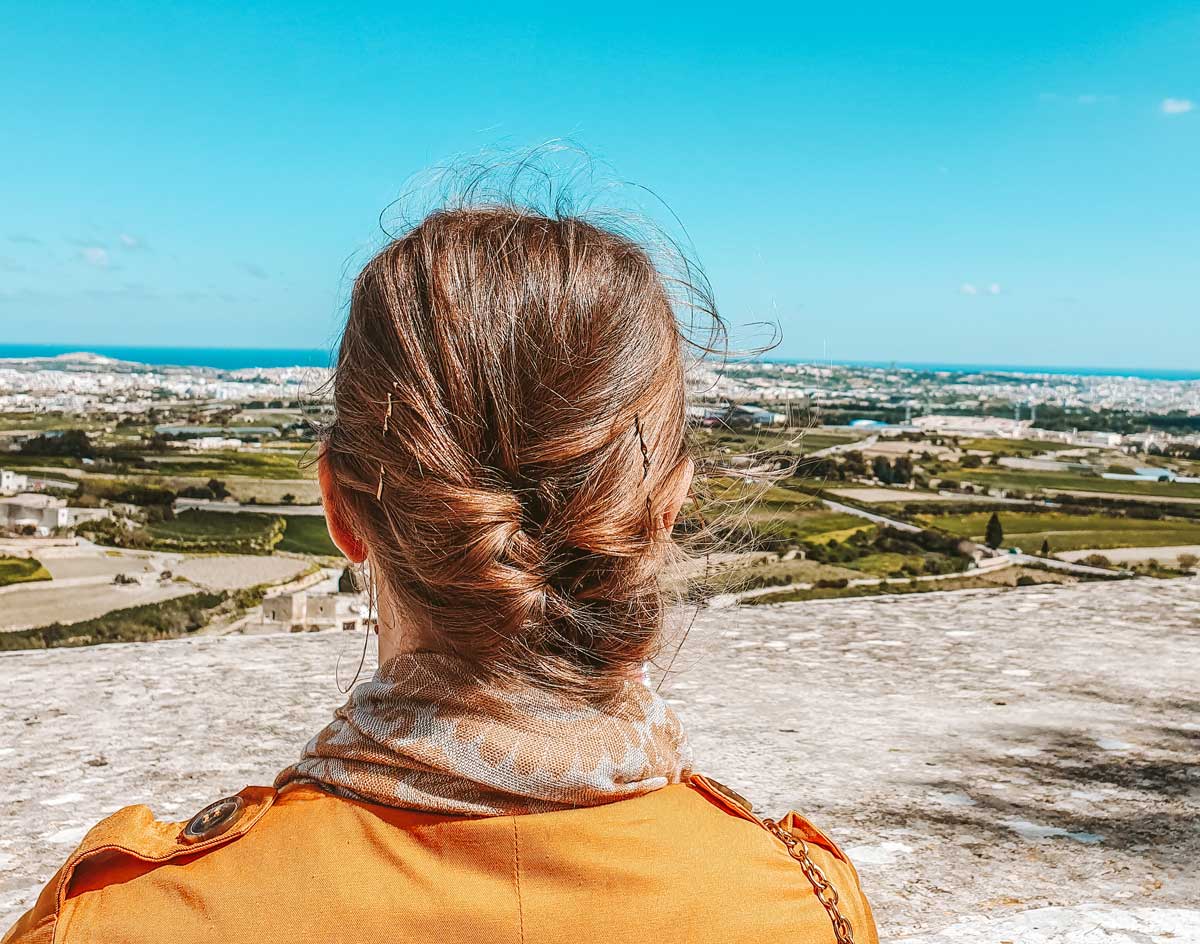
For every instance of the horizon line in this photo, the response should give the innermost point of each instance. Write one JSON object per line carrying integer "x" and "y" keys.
{"x": 951, "y": 366}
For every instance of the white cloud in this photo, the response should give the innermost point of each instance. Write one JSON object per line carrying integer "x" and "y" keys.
{"x": 95, "y": 255}
{"x": 970, "y": 288}
{"x": 129, "y": 242}
{"x": 1177, "y": 106}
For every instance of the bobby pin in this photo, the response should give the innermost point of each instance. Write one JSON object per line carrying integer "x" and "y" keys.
{"x": 637, "y": 427}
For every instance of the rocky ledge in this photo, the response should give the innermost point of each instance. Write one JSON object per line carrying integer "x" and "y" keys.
{"x": 1002, "y": 765}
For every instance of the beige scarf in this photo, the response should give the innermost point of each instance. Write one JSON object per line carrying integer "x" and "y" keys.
{"x": 425, "y": 734}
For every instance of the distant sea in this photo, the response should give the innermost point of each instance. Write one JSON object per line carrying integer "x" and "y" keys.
{"x": 1146, "y": 373}
{"x": 221, "y": 358}
{"x": 232, "y": 358}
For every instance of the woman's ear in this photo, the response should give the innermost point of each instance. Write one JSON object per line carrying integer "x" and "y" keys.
{"x": 335, "y": 515}
{"x": 677, "y": 491}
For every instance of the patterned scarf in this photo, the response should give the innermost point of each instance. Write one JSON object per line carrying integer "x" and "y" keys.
{"x": 424, "y": 734}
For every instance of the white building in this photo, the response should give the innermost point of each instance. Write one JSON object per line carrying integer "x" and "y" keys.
{"x": 1096, "y": 437}
{"x": 39, "y": 514}
{"x": 209, "y": 443}
{"x": 12, "y": 482}
{"x": 302, "y": 610}
{"x": 974, "y": 426}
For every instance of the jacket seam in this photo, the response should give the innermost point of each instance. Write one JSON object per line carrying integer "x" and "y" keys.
{"x": 517, "y": 882}
{"x": 28, "y": 933}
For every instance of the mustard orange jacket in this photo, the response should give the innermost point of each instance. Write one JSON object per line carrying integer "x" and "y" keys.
{"x": 683, "y": 864}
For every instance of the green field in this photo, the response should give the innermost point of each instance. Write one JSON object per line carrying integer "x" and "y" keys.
{"x": 965, "y": 582}
{"x": 1068, "y": 481}
{"x": 1021, "y": 447}
{"x": 769, "y": 573}
{"x": 801, "y": 526}
{"x": 771, "y": 440}
{"x": 882, "y": 564}
{"x": 1028, "y": 530}
{"x": 217, "y": 531}
{"x": 46, "y": 421}
{"x": 21, "y": 570}
{"x": 255, "y": 464}
{"x": 815, "y": 441}
{"x": 164, "y": 620}
{"x": 15, "y": 460}
{"x": 307, "y": 534}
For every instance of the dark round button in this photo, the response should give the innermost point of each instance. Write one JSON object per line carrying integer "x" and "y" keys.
{"x": 213, "y": 820}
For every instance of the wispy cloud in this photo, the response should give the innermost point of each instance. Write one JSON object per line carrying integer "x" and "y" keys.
{"x": 970, "y": 288}
{"x": 24, "y": 239}
{"x": 131, "y": 242}
{"x": 254, "y": 270}
{"x": 95, "y": 256}
{"x": 1177, "y": 106}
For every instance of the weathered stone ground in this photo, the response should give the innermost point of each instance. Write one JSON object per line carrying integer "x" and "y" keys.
{"x": 1018, "y": 765}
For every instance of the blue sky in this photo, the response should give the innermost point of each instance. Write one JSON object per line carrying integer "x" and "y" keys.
{"x": 937, "y": 183}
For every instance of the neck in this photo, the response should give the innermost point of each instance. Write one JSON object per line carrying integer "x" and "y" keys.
{"x": 401, "y": 632}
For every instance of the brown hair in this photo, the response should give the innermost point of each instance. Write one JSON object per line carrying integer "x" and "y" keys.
{"x": 510, "y": 405}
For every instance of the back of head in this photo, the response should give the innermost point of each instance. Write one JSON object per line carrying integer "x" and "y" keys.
{"x": 510, "y": 419}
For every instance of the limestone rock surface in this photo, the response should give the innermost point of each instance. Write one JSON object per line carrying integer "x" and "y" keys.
{"x": 1001, "y": 765}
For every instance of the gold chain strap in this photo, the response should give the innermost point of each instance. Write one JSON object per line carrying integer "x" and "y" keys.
{"x": 826, "y": 894}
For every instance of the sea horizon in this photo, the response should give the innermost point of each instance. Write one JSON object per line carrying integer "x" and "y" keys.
{"x": 236, "y": 358}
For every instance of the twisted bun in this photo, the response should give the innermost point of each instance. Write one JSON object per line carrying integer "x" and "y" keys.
{"x": 510, "y": 405}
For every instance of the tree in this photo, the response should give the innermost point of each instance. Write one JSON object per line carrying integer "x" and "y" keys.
{"x": 854, "y": 463}
{"x": 971, "y": 461}
{"x": 1045, "y": 547}
{"x": 994, "y": 535}
{"x": 288, "y": 498}
{"x": 902, "y": 470}
{"x": 348, "y": 581}
{"x": 882, "y": 470}
{"x": 69, "y": 442}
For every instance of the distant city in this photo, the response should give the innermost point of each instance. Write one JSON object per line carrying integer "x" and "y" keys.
{"x": 1010, "y": 401}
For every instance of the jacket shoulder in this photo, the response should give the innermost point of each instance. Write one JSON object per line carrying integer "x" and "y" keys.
{"x": 832, "y": 866}
{"x": 737, "y": 805}
{"x": 132, "y": 842}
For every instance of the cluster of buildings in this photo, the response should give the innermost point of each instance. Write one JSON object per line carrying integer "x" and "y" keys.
{"x": 26, "y": 512}
{"x": 308, "y": 611}
{"x": 213, "y": 438}
{"x": 82, "y": 383}
{"x": 932, "y": 390}
{"x": 999, "y": 427}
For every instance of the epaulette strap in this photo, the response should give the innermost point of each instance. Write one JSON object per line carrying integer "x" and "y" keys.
{"x": 797, "y": 848}
{"x": 133, "y": 831}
